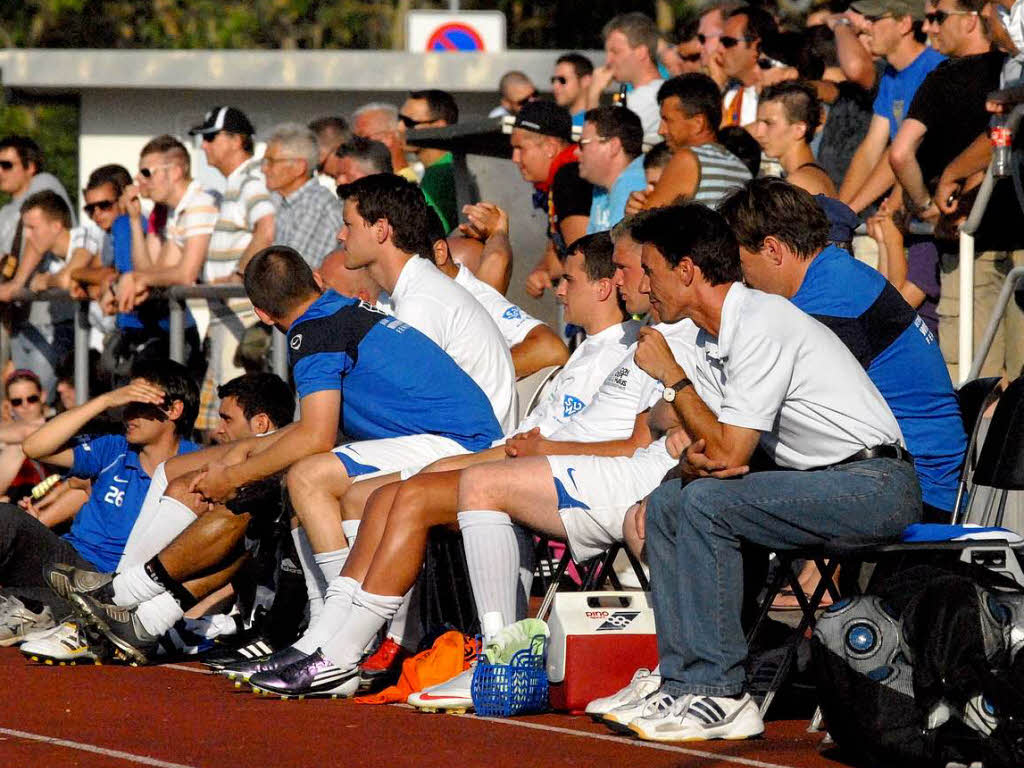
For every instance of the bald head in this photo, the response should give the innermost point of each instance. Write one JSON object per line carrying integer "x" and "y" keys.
{"x": 356, "y": 283}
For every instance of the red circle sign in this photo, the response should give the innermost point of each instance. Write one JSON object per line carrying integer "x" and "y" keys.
{"x": 455, "y": 37}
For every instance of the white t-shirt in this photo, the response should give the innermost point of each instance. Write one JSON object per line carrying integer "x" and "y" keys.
{"x": 625, "y": 392}
{"x": 643, "y": 100}
{"x": 511, "y": 320}
{"x": 244, "y": 202}
{"x": 783, "y": 373}
{"x": 447, "y": 313}
{"x": 578, "y": 381}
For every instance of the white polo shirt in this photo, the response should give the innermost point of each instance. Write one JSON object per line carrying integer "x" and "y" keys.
{"x": 643, "y": 100}
{"x": 245, "y": 201}
{"x": 447, "y": 313}
{"x": 511, "y": 320}
{"x": 783, "y": 373}
{"x": 576, "y": 384}
{"x": 194, "y": 215}
{"x": 625, "y": 392}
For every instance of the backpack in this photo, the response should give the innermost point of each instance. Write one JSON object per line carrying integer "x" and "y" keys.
{"x": 926, "y": 671}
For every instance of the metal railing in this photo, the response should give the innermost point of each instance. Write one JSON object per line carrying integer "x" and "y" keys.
{"x": 175, "y": 296}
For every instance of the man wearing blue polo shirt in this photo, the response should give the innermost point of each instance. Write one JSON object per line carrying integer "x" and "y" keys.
{"x": 783, "y": 235}
{"x": 160, "y": 407}
{"x": 611, "y": 158}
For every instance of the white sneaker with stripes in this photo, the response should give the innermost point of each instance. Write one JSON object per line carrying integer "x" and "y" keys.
{"x": 63, "y": 645}
{"x": 644, "y": 683}
{"x": 698, "y": 718}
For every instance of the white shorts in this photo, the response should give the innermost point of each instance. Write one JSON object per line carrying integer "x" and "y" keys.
{"x": 595, "y": 492}
{"x": 392, "y": 454}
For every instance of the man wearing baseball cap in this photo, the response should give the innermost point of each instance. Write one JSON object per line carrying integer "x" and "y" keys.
{"x": 543, "y": 149}
{"x": 244, "y": 226}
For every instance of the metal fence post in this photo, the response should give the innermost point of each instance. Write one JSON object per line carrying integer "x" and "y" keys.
{"x": 279, "y": 354}
{"x": 82, "y": 328}
{"x": 176, "y": 307}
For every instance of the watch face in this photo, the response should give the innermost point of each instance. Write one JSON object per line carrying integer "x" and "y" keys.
{"x": 668, "y": 394}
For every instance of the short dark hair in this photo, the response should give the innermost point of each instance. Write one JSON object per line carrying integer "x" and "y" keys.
{"x": 698, "y": 94}
{"x": 638, "y": 29}
{"x": 399, "y": 201}
{"x": 116, "y": 176}
{"x": 688, "y": 31}
{"x": 693, "y": 231}
{"x": 441, "y": 104}
{"x": 334, "y": 126}
{"x": 51, "y": 204}
{"x": 760, "y": 24}
{"x": 27, "y": 150}
{"x": 597, "y": 254}
{"x": 738, "y": 140}
{"x": 277, "y": 280}
{"x": 616, "y": 123}
{"x": 657, "y": 156}
{"x": 800, "y": 103}
{"x": 580, "y": 63}
{"x": 176, "y": 380}
{"x": 772, "y": 207}
{"x": 369, "y": 152}
{"x": 172, "y": 148}
{"x": 258, "y": 393}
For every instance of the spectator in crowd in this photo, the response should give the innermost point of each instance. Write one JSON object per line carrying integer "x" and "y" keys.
{"x": 946, "y": 116}
{"x": 21, "y": 174}
{"x": 245, "y": 226}
{"x": 308, "y": 216}
{"x": 484, "y": 246}
{"x": 611, "y": 158}
{"x": 669, "y": 63}
{"x": 159, "y": 407}
{"x": 192, "y": 216}
{"x": 433, "y": 109}
{"x": 331, "y": 132}
{"x": 710, "y": 28}
{"x": 43, "y": 336}
{"x": 788, "y": 115}
{"x": 23, "y": 413}
{"x": 631, "y": 47}
{"x": 515, "y": 88}
{"x": 379, "y": 121}
{"x": 701, "y": 169}
{"x": 747, "y": 30}
{"x": 655, "y": 162}
{"x": 570, "y": 84}
{"x": 895, "y": 34}
{"x": 689, "y": 50}
{"x": 542, "y": 148}
{"x": 739, "y": 141}
{"x": 361, "y": 157}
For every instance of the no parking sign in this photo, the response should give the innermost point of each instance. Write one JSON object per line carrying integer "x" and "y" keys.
{"x": 441, "y": 31}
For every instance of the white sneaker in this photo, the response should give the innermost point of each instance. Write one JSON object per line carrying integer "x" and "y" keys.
{"x": 699, "y": 718}
{"x": 454, "y": 695}
{"x": 644, "y": 683}
{"x": 65, "y": 644}
{"x": 17, "y": 621}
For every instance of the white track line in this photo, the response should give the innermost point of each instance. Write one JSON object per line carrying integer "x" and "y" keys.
{"x": 183, "y": 668}
{"x": 140, "y": 759}
{"x": 718, "y": 756}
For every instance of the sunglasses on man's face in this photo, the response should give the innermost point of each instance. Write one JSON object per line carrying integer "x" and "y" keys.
{"x": 939, "y": 17}
{"x": 559, "y": 79}
{"x": 702, "y": 38}
{"x": 526, "y": 99}
{"x": 103, "y": 205}
{"x": 31, "y": 400}
{"x": 147, "y": 173}
{"x": 731, "y": 42}
{"x": 6, "y": 165}
{"x": 690, "y": 58}
{"x": 408, "y": 122}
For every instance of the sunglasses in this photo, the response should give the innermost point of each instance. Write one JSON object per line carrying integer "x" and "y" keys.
{"x": 6, "y": 165}
{"x": 147, "y": 173}
{"x": 702, "y": 38}
{"x": 408, "y": 122}
{"x": 731, "y": 42}
{"x": 690, "y": 58}
{"x": 31, "y": 400}
{"x": 103, "y": 205}
{"x": 525, "y": 100}
{"x": 939, "y": 17}
{"x": 559, "y": 79}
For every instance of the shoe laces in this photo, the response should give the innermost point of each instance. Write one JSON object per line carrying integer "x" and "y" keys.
{"x": 665, "y": 705}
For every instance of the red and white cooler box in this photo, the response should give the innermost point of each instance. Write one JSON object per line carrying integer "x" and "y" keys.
{"x": 598, "y": 640}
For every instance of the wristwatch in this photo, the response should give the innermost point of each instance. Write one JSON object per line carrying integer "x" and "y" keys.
{"x": 669, "y": 393}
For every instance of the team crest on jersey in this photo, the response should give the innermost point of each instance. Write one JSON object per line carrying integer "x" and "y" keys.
{"x": 571, "y": 405}
{"x": 618, "y": 621}
{"x": 512, "y": 313}
{"x": 296, "y": 341}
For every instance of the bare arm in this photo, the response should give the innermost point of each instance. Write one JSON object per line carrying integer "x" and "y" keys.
{"x": 262, "y": 237}
{"x": 974, "y": 159}
{"x": 541, "y": 277}
{"x": 533, "y": 444}
{"x": 865, "y": 158}
{"x": 539, "y": 349}
{"x": 903, "y": 159}
{"x": 680, "y": 179}
{"x": 879, "y": 181}
{"x": 30, "y": 259}
{"x": 854, "y": 59}
{"x": 182, "y": 271}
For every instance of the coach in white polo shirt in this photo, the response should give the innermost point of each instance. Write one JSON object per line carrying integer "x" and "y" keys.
{"x": 788, "y": 384}
{"x": 244, "y": 227}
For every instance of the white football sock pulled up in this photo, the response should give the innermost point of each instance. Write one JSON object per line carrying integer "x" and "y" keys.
{"x": 159, "y": 614}
{"x": 369, "y": 613}
{"x": 337, "y": 604}
{"x": 492, "y": 559}
{"x": 351, "y": 529}
{"x": 134, "y": 586}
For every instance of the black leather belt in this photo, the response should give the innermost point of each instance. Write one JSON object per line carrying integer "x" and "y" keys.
{"x": 891, "y": 451}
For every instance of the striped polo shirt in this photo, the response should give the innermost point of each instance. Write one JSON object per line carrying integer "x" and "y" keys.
{"x": 245, "y": 201}
{"x": 721, "y": 172}
{"x": 195, "y": 215}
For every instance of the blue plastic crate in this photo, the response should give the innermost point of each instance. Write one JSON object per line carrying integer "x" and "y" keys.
{"x": 503, "y": 690}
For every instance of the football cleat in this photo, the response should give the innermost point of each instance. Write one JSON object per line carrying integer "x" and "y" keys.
{"x": 313, "y": 676}
{"x": 65, "y": 645}
{"x": 453, "y": 695}
{"x": 66, "y": 580}
{"x": 18, "y": 620}
{"x": 385, "y": 664}
{"x": 241, "y": 671}
{"x": 219, "y": 658}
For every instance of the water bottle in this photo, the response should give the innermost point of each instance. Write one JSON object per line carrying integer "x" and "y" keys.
{"x": 1002, "y": 139}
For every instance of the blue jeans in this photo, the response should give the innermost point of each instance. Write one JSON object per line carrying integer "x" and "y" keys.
{"x": 693, "y": 545}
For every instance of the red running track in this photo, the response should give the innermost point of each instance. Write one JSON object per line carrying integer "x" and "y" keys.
{"x": 178, "y": 716}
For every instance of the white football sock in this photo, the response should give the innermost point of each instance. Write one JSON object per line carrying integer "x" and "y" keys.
{"x": 133, "y": 552}
{"x": 351, "y": 529}
{"x": 134, "y": 586}
{"x": 159, "y": 614}
{"x": 369, "y": 613}
{"x": 406, "y": 630}
{"x": 337, "y": 603}
{"x": 492, "y": 558}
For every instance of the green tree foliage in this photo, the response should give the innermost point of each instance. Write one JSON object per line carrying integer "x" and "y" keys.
{"x": 54, "y": 126}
